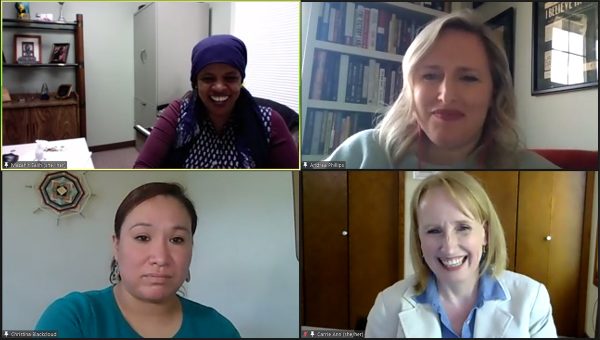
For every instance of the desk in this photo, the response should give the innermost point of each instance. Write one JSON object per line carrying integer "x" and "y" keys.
{"x": 74, "y": 151}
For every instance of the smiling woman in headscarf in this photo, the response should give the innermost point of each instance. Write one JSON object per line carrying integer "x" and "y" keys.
{"x": 218, "y": 124}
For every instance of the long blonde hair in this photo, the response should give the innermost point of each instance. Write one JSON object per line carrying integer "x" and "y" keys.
{"x": 472, "y": 201}
{"x": 398, "y": 131}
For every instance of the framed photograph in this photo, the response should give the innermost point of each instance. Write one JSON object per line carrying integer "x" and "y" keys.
{"x": 64, "y": 91}
{"x": 503, "y": 25}
{"x": 28, "y": 49}
{"x": 564, "y": 46}
{"x": 59, "y": 53}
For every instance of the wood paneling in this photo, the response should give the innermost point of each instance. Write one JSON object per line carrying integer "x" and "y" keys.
{"x": 342, "y": 275}
{"x": 325, "y": 249}
{"x": 15, "y": 128}
{"x": 375, "y": 254}
{"x": 590, "y": 185}
{"x": 54, "y": 123}
{"x": 502, "y": 188}
{"x": 549, "y": 238}
{"x": 38, "y": 119}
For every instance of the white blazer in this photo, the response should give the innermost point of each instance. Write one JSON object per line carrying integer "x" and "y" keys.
{"x": 525, "y": 313}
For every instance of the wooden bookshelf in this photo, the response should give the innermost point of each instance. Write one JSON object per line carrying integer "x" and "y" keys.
{"x": 27, "y": 118}
{"x": 351, "y": 67}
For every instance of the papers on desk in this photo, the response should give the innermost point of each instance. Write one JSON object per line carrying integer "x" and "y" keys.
{"x": 73, "y": 151}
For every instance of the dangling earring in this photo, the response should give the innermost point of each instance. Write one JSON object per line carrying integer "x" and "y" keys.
{"x": 484, "y": 250}
{"x": 115, "y": 275}
{"x": 189, "y": 277}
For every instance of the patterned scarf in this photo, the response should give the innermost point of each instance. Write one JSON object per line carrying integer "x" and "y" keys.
{"x": 243, "y": 143}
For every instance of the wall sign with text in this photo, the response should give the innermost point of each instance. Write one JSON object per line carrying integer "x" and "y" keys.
{"x": 564, "y": 46}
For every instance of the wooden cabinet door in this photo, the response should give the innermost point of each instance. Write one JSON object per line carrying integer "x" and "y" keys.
{"x": 353, "y": 243}
{"x": 15, "y": 125}
{"x": 375, "y": 236}
{"x": 325, "y": 248}
{"x": 549, "y": 237}
{"x": 502, "y": 188}
{"x": 54, "y": 122}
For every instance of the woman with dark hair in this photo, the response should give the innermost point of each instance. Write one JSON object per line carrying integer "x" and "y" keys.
{"x": 218, "y": 124}
{"x": 152, "y": 252}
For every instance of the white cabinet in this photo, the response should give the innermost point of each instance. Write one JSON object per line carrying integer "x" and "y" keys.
{"x": 164, "y": 35}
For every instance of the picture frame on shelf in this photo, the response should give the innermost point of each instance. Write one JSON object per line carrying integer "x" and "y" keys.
{"x": 64, "y": 91}
{"x": 22, "y": 10}
{"x": 503, "y": 27}
{"x": 5, "y": 95}
{"x": 27, "y": 49}
{"x": 59, "y": 53}
{"x": 564, "y": 47}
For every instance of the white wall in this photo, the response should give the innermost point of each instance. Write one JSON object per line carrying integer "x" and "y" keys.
{"x": 220, "y": 22}
{"x": 108, "y": 51}
{"x": 243, "y": 264}
{"x": 566, "y": 120}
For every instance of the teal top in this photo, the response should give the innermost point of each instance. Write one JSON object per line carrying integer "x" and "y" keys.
{"x": 363, "y": 151}
{"x": 95, "y": 314}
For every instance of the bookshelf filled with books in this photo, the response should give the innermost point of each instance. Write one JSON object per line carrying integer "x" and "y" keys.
{"x": 351, "y": 66}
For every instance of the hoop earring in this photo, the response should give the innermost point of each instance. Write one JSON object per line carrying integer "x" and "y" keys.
{"x": 189, "y": 277}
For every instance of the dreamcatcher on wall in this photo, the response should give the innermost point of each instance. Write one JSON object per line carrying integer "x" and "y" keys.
{"x": 63, "y": 193}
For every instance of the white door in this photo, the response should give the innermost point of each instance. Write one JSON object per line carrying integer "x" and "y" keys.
{"x": 181, "y": 25}
{"x": 144, "y": 46}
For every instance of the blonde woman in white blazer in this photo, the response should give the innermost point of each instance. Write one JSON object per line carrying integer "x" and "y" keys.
{"x": 460, "y": 288}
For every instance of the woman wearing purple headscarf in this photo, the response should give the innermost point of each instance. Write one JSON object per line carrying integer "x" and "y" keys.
{"x": 218, "y": 124}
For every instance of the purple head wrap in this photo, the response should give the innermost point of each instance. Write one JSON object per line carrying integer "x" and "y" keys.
{"x": 222, "y": 48}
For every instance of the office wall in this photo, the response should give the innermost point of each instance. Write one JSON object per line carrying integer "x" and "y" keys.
{"x": 566, "y": 120}
{"x": 244, "y": 262}
{"x": 220, "y": 22}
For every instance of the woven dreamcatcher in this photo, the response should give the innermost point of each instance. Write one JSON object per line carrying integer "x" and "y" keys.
{"x": 63, "y": 193}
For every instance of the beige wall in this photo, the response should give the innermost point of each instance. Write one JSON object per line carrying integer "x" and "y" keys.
{"x": 562, "y": 120}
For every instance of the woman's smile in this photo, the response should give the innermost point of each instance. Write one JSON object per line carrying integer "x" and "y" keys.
{"x": 454, "y": 263}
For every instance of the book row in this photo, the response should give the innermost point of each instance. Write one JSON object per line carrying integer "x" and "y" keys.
{"x": 354, "y": 79}
{"x": 377, "y": 29}
{"x": 326, "y": 129}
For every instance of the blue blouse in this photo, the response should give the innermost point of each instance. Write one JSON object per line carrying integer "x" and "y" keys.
{"x": 489, "y": 289}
